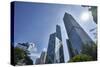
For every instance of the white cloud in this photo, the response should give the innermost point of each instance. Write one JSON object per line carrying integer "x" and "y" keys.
{"x": 45, "y": 49}
{"x": 35, "y": 55}
{"x": 32, "y": 48}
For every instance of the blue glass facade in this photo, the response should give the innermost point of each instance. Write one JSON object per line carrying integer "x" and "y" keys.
{"x": 77, "y": 36}
{"x": 55, "y": 47}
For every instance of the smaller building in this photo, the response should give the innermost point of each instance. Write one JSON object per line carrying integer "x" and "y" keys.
{"x": 43, "y": 57}
{"x": 37, "y": 61}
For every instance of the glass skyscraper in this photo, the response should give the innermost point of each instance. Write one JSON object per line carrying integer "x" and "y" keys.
{"x": 55, "y": 47}
{"x": 77, "y": 36}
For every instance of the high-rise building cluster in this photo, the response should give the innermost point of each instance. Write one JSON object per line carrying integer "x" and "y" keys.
{"x": 77, "y": 37}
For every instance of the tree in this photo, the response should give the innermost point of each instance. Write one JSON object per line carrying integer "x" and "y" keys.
{"x": 18, "y": 55}
{"x": 93, "y": 10}
{"x": 21, "y": 57}
{"x": 81, "y": 58}
{"x": 88, "y": 53}
{"x": 90, "y": 50}
{"x": 28, "y": 61}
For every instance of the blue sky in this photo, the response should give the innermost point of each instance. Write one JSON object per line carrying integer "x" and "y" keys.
{"x": 34, "y": 22}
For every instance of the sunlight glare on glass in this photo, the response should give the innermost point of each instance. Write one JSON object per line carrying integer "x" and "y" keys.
{"x": 85, "y": 16}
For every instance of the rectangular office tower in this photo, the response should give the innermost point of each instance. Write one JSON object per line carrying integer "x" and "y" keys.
{"x": 77, "y": 36}
{"x": 55, "y": 47}
{"x": 42, "y": 58}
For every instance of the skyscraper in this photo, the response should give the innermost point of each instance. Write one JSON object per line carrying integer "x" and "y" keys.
{"x": 59, "y": 45}
{"x": 51, "y": 49}
{"x": 37, "y": 61}
{"x": 70, "y": 49}
{"x": 77, "y": 36}
{"x": 55, "y": 47}
{"x": 42, "y": 57}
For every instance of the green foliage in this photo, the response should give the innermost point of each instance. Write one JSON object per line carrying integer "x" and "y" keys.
{"x": 81, "y": 58}
{"x": 20, "y": 56}
{"x": 88, "y": 53}
{"x": 90, "y": 50}
{"x": 93, "y": 9}
{"x": 28, "y": 61}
